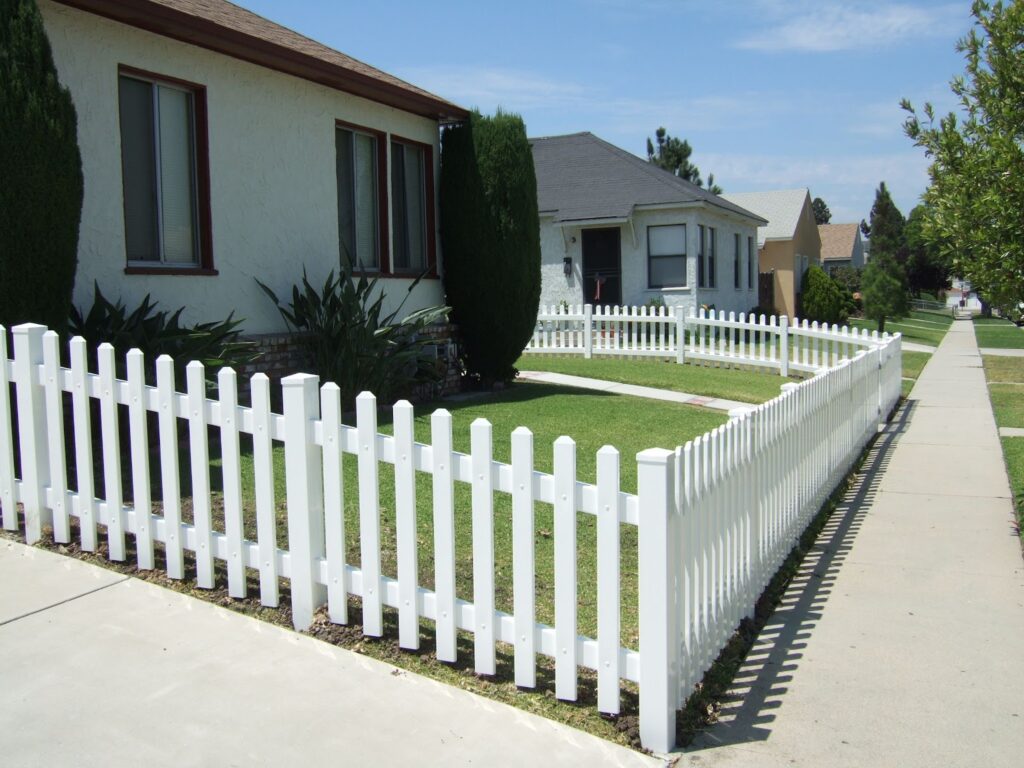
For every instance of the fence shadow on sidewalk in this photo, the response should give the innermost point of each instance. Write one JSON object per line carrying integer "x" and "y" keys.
{"x": 765, "y": 675}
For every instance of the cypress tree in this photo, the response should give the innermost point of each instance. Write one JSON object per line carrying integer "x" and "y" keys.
{"x": 884, "y": 283}
{"x": 41, "y": 192}
{"x": 490, "y": 233}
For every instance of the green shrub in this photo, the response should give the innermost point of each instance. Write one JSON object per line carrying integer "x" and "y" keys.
{"x": 351, "y": 342}
{"x": 41, "y": 172}
{"x": 490, "y": 233}
{"x": 884, "y": 294}
{"x": 157, "y": 333}
{"x": 821, "y": 298}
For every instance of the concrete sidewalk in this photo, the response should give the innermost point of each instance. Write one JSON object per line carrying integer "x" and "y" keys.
{"x": 634, "y": 390}
{"x": 899, "y": 642}
{"x": 100, "y": 669}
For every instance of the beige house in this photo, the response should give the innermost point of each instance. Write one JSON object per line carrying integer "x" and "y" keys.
{"x": 788, "y": 245}
{"x": 841, "y": 246}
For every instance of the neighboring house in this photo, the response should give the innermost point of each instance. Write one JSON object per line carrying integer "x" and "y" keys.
{"x": 219, "y": 147}
{"x": 616, "y": 229}
{"x": 789, "y": 243}
{"x": 841, "y": 246}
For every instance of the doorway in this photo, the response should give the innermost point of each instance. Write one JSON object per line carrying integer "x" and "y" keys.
{"x": 602, "y": 266}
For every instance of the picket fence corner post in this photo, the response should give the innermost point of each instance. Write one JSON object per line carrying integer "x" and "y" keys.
{"x": 784, "y": 345}
{"x": 658, "y": 561}
{"x": 588, "y": 331}
{"x": 305, "y": 494}
{"x": 31, "y": 400}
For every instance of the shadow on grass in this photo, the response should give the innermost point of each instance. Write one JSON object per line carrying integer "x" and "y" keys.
{"x": 764, "y": 675}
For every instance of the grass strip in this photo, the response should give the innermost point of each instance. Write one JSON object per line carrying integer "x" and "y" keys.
{"x": 995, "y": 333}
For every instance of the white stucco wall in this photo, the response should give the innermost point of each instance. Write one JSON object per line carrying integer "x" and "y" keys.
{"x": 556, "y": 244}
{"x": 273, "y": 185}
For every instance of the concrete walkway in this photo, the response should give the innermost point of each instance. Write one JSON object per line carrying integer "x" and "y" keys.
{"x": 899, "y": 643}
{"x": 652, "y": 393}
{"x": 100, "y": 669}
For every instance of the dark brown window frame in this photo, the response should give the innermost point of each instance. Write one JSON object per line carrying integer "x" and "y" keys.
{"x": 428, "y": 202}
{"x": 383, "y": 210}
{"x": 205, "y": 267}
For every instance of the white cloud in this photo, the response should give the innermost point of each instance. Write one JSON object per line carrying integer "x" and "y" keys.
{"x": 834, "y": 26}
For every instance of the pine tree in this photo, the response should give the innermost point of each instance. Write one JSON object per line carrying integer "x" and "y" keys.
{"x": 822, "y": 215}
{"x": 673, "y": 155}
{"x": 884, "y": 285}
{"x": 490, "y": 233}
{"x": 41, "y": 168}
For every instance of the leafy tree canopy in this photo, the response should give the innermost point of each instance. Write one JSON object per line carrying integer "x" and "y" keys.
{"x": 822, "y": 215}
{"x": 976, "y": 194}
{"x": 673, "y": 155}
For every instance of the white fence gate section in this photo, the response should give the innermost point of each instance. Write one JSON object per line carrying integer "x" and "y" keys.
{"x": 715, "y": 517}
{"x": 776, "y": 343}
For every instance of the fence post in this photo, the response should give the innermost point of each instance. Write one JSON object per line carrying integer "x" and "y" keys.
{"x": 35, "y": 455}
{"x": 680, "y": 335}
{"x": 305, "y": 491}
{"x": 659, "y": 636}
{"x": 784, "y": 345}
{"x": 588, "y": 331}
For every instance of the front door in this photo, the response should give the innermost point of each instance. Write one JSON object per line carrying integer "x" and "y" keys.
{"x": 602, "y": 266}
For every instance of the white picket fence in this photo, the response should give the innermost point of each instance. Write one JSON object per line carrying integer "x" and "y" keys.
{"x": 714, "y": 517}
{"x": 776, "y": 343}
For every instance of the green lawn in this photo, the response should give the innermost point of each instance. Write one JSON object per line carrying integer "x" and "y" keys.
{"x": 919, "y": 326}
{"x": 1005, "y": 377}
{"x": 728, "y": 383}
{"x": 999, "y": 334}
{"x": 913, "y": 364}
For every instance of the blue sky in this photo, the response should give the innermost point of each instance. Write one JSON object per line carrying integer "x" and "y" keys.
{"x": 770, "y": 94}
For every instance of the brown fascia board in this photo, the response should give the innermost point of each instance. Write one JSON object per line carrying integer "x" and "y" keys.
{"x": 169, "y": 22}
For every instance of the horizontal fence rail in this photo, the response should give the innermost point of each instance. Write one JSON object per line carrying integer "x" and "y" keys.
{"x": 772, "y": 343}
{"x": 713, "y": 519}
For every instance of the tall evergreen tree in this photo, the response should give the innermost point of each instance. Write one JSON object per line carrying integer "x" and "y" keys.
{"x": 490, "y": 233}
{"x": 673, "y": 155}
{"x": 884, "y": 288}
{"x": 822, "y": 215}
{"x": 41, "y": 172}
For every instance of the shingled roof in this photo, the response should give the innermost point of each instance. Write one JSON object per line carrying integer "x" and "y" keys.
{"x": 782, "y": 208}
{"x": 838, "y": 240}
{"x": 583, "y": 178}
{"x": 226, "y": 28}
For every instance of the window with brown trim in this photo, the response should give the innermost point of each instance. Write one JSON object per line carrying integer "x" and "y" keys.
{"x": 412, "y": 207}
{"x": 165, "y": 173}
{"x": 361, "y": 195}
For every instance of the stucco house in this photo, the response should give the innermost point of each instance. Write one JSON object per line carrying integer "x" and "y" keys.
{"x": 616, "y": 229}
{"x": 788, "y": 244}
{"x": 219, "y": 147}
{"x": 841, "y": 246}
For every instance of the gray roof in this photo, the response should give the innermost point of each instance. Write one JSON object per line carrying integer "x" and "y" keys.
{"x": 782, "y": 208}
{"x": 582, "y": 178}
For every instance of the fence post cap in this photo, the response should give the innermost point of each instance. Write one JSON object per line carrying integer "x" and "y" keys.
{"x": 742, "y": 410}
{"x": 29, "y": 328}
{"x": 564, "y": 440}
{"x": 297, "y": 379}
{"x": 789, "y": 386}
{"x": 656, "y": 456}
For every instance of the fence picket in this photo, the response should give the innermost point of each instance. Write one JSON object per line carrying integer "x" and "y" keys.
{"x": 139, "y": 437}
{"x": 266, "y": 511}
{"x": 405, "y": 526}
{"x": 35, "y": 464}
{"x": 483, "y": 547}
{"x": 170, "y": 492}
{"x": 334, "y": 503}
{"x": 200, "y": 463}
{"x": 111, "y": 452}
{"x": 565, "y": 569}
{"x": 523, "y": 558}
{"x": 444, "y": 534}
{"x": 608, "y": 547}
{"x": 7, "y": 490}
{"x": 369, "y": 515}
{"x": 55, "y": 436}
{"x": 231, "y": 473}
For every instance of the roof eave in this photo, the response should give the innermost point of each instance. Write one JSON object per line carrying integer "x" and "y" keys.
{"x": 175, "y": 24}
